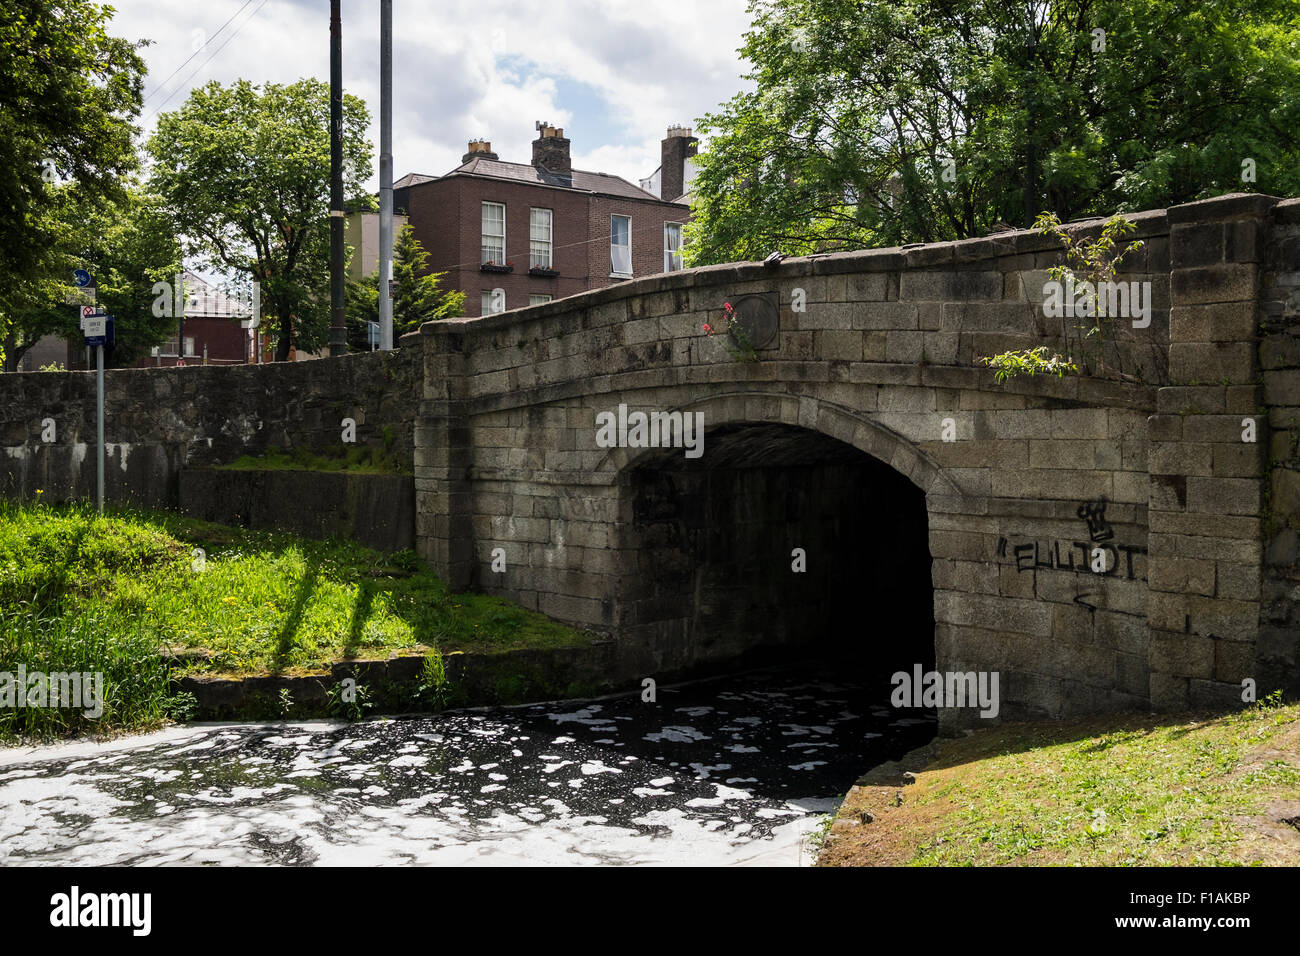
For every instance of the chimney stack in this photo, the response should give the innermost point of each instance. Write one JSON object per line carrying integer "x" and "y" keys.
{"x": 551, "y": 151}
{"x": 677, "y": 147}
{"x": 480, "y": 149}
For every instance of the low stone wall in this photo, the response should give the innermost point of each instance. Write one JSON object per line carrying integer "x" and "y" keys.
{"x": 377, "y": 511}
{"x": 159, "y": 421}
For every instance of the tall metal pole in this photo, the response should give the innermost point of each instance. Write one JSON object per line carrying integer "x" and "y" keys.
{"x": 180, "y": 318}
{"x": 99, "y": 426}
{"x": 338, "y": 324}
{"x": 385, "y": 172}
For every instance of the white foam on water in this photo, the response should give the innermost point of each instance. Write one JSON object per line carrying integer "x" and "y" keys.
{"x": 678, "y": 734}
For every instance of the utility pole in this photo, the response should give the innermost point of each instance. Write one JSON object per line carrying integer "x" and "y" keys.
{"x": 385, "y": 173}
{"x": 338, "y": 324}
{"x": 180, "y": 318}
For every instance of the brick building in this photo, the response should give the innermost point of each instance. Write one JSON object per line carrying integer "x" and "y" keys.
{"x": 515, "y": 234}
{"x": 212, "y": 336}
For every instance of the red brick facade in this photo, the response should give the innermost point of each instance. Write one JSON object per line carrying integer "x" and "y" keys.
{"x": 446, "y": 215}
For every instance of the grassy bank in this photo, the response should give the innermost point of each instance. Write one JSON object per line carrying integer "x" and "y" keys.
{"x": 1107, "y": 791}
{"x": 356, "y": 460}
{"x": 114, "y": 591}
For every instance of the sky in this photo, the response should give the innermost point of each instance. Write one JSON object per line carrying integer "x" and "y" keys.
{"x": 614, "y": 75}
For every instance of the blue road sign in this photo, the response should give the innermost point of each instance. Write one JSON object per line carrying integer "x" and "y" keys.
{"x": 80, "y": 278}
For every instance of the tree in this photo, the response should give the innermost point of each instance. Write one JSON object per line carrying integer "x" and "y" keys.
{"x": 68, "y": 94}
{"x": 417, "y": 298}
{"x": 881, "y": 122}
{"x": 125, "y": 245}
{"x": 244, "y": 171}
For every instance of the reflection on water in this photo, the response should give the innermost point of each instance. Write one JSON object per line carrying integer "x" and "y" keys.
{"x": 731, "y": 771}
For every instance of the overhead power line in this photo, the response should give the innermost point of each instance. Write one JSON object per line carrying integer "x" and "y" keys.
{"x": 156, "y": 89}
{"x": 158, "y": 109}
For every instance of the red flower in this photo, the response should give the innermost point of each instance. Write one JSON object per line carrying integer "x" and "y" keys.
{"x": 707, "y": 328}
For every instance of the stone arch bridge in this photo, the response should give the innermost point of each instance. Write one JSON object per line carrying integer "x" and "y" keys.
{"x": 924, "y": 498}
{"x": 1101, "y": 542}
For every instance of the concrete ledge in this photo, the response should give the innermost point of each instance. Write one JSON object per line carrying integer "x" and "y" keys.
{"x": 391, "y": 685}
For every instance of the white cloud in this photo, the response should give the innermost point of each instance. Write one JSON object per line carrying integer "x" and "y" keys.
{"x": 613, "y": 74}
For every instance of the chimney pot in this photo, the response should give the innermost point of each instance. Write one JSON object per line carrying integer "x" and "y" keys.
{"x": 551, "y": 151}
{"x": 478, "y": 148}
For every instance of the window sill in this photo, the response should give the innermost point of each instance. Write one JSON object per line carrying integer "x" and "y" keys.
{"x": 620, "y": 275}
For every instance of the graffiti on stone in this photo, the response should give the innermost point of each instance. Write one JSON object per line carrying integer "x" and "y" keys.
{"x": 1075, "y": 556}
{"x": 1080, "y": 557}
{"x": 1093, "y": 514}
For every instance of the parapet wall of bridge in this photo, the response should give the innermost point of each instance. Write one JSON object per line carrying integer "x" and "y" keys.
{"x": 1024, "y": 483}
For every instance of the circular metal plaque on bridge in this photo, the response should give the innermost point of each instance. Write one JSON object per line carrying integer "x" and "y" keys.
{"x": 758, "y": 317}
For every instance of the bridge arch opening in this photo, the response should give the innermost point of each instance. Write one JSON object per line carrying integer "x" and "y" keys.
{"x": 778, "y": 543}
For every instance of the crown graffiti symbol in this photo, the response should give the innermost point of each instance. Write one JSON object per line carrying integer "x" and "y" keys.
{"x": 1094, "y": 514}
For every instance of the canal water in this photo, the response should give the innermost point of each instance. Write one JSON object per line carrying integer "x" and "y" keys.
{"x": 738, "y": 770}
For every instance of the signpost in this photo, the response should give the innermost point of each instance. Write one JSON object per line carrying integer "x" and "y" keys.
{"x": 97, "y": 330}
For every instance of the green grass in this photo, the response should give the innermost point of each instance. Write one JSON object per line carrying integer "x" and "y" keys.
{"x": 357, "y": 459}
{"x": 135, "y": 691}
{"x": 129, "y": 583}
{"x": 1103, "y": 791}
{"x": 1159, "y": 795}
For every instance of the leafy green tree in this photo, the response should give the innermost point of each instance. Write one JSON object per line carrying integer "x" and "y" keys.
{"x": 244, "y": 171}
{"x": 127, "y": 246}
{"x": 416, "y": 300}
{"x": 68, "y": 95}
{"x": 880, "y": 122}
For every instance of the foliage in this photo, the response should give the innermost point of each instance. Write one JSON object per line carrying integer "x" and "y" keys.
{"x": 244, "y": 170}
{"x": 68, "y": 95}
{"x": 882, "y": 122}
{"x": 1007, "y": 365}
{"x": 433, "y": 689}
{"x": 263, "y": 601}
{"x": 417, "y": 297}
{"x": 135, "y": 689}
{"x": 1088, "y": 265}
{"x": 354, "y": 459}
{"x": 739, "y": 344}
{"x": 349, "y": 701}
{"x": 1093, "y": 263}
{"x": 126, "y": 245}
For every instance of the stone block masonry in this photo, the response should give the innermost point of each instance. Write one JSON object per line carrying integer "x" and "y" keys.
{"x": 159, "y": 422}
{"x": 1277, "y": 581}
{"x": 1097, "y": 540}
{"x": 1128, "y": 541}
{"x": 376, "y": 510}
